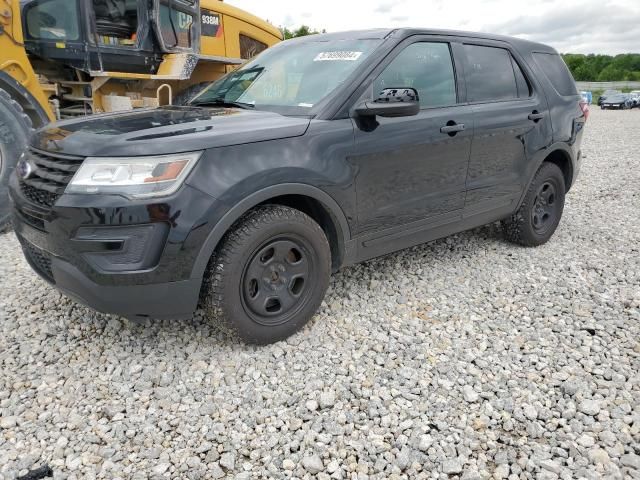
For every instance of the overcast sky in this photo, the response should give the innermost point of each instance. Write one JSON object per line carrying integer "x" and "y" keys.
{"x": 577, "y": 26}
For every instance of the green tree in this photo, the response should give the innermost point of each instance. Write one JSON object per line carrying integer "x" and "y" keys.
{"x": 302, "y": 31}
{"x": 610, "y": 74}
{"x": 584, "y": 73}
{"x": 603, "y": 68}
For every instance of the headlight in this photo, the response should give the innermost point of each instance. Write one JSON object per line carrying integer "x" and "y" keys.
{"x": 136, "y": 177}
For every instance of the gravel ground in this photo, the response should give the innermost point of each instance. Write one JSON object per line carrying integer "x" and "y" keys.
{"x": 468, "y": 357}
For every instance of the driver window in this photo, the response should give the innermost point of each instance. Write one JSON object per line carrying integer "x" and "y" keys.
{"x": 425, "y": 66}
{"x": 53, "y": 20}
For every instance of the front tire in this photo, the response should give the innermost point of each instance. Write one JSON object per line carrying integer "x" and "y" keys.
{"x": 538, "y": 217}
{"x": 269, "y": 275}
{"x": 15, "y": 127}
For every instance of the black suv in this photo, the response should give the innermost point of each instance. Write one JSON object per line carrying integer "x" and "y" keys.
{"x": 321, "y": 152}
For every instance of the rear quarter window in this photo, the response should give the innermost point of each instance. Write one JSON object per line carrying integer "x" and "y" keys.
{"x": 557, "y": 72}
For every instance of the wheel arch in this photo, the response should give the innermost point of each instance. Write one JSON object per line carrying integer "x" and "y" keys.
{"x": 560, "y": 154}
{"x": 562, "y": 159}
{"x": 311, "y": 200}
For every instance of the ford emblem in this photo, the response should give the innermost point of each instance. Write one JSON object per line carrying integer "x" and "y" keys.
{"x": 24, "y": 169}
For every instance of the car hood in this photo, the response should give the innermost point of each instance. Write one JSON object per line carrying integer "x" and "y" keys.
{"x": 165, "y": 130}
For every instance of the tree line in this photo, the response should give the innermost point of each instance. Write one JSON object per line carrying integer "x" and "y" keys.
{"x": 302, "y": 31}
{"x": 604, "y": 68}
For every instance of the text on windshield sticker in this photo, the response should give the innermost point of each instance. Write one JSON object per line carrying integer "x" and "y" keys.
{"x": 337, "y": 56}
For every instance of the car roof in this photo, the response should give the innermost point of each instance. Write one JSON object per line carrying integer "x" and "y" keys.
{"x": 401, "y": 33}
{"x": 372, "y": 34}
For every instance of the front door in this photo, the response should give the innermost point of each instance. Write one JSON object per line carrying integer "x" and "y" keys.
{"x": 411, "y": 171}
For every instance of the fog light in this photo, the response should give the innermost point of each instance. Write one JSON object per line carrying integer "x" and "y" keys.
{"x": 122, "y": 249}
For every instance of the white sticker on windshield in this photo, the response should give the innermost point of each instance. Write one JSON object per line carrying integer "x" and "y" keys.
{"x": 337, "y": 56}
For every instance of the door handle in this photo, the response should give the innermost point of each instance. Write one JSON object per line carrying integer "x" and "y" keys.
{"x": 536, "y": 116}
{"x": 451, "y": 128}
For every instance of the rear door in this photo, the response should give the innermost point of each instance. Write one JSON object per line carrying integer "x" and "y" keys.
{"x": 176, "y": 24}
{"x": 512, "y": 123}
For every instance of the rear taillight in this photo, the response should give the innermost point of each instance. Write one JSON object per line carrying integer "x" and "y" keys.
{"x": 584, "y": 106}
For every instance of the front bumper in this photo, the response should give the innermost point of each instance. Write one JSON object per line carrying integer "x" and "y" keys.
{"x": 171, "y": 300}
{"x": 132, "y": 259}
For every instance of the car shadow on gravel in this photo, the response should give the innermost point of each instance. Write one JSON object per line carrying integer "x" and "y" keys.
{"x": 147, "y": 333}
{"x": 83, "y": 323}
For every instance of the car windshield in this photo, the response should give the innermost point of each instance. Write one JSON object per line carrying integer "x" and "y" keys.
{"x": 290, "y": 78}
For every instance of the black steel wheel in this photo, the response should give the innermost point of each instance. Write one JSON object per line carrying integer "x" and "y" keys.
{"x": 269, "y": 274}
{"x": 276, "y": 281}
{"x": 538, "y": 217}
{"x": 545, "y": 208}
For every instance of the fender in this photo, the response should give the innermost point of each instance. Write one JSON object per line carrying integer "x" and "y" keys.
{"x": 346, "y": 246}
{"x": 38, "y": 115}
{"x": 539, "y": 158}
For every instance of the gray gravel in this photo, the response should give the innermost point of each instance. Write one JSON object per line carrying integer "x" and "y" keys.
{"x": 466, "y": 358}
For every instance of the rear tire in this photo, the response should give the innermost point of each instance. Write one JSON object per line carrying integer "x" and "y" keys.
{"x": 269, "y": 275}
{"x": 538, "y": 217}
{"x": 15, "y": 128}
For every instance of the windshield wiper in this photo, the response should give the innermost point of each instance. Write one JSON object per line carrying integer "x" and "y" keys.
{"x": 221, "y": 102}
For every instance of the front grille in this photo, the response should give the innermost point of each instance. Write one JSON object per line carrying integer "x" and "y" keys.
{"x": 39, "y": 260}
{"x": 50, "y": 177}
{"x": 41, "y": 197}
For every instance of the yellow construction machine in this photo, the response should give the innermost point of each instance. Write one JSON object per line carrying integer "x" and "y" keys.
{"x": 66, "y": 58}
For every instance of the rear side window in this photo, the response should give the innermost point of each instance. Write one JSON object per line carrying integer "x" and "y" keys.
{"x": 490, "y": 74}
{"x": 557, "y": 72}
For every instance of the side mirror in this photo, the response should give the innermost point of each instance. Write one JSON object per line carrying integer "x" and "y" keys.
{"x": 392, "y": 102}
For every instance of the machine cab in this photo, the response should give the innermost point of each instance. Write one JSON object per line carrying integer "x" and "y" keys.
{"x": 111, "y": 35}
